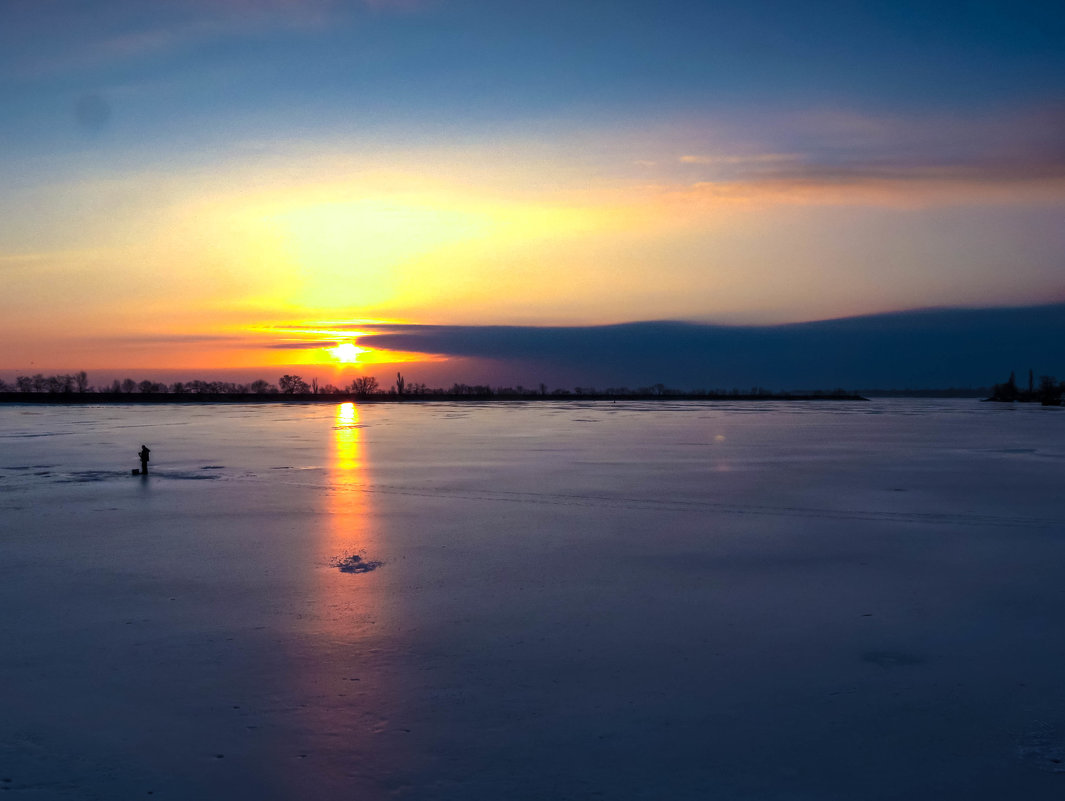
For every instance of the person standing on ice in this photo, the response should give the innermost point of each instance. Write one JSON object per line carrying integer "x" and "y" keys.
{"x": 144, "y": 459}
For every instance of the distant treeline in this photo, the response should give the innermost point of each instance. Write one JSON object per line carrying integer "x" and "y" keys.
{"x": 1048, "y": 391}
{"x": 364, "y": 387}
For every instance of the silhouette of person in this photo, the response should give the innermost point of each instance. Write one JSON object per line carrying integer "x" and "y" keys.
{"x": 144, "y": 459}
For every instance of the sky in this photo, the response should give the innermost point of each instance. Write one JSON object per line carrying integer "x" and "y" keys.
{"x": 243, "y": 185}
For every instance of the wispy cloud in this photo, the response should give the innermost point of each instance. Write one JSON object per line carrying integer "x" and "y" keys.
{"x": 325, "y": 343}
{"x": 126, "y": 31}
{"x": 834, "y": 156}
{"x": 731, "y": 160}
{"x": 140, "y": 340}
{"x": 41, "y": 262}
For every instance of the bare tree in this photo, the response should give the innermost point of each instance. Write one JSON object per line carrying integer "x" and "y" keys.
{"x": 364, "y": 385}
{"x": 81, "y": 381}
{"x": 293, "y": 385}
{"x": 60, "y": 383}
{"x": 1050, "y": 391}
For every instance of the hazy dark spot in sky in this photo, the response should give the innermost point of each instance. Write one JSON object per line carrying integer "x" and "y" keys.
{"x": 92, "y": 112}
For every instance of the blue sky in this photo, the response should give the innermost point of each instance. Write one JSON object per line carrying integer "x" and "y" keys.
{"x": 200, "y": 71}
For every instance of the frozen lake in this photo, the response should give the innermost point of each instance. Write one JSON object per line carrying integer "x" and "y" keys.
{"x": 573, "y": 601}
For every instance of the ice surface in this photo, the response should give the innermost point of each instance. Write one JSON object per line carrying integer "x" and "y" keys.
{"x": 627, "y": 601}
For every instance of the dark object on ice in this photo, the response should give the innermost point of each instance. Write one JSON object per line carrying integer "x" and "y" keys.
{"x": 144, "y": 459}
{"x": 354, "y": 564}
{"x": 1049, "y": 391}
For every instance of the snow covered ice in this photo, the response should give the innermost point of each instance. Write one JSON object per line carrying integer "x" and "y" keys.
{"x": 569, "y": 601}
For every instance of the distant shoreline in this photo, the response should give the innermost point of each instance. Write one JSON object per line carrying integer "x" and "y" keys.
{"x": 96, "y": 398}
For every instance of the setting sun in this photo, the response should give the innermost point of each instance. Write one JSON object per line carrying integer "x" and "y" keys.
{"x": 346, "y": 352}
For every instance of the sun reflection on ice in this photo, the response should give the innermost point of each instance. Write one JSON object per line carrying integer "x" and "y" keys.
{"x": 345, "y": 683}
{"x": 346, "y": 465}
{"x": 348, "y": 507}
{"x": 348, "y": 601}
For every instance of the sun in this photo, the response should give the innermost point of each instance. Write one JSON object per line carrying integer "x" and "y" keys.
{"x": 346, "y": 352}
